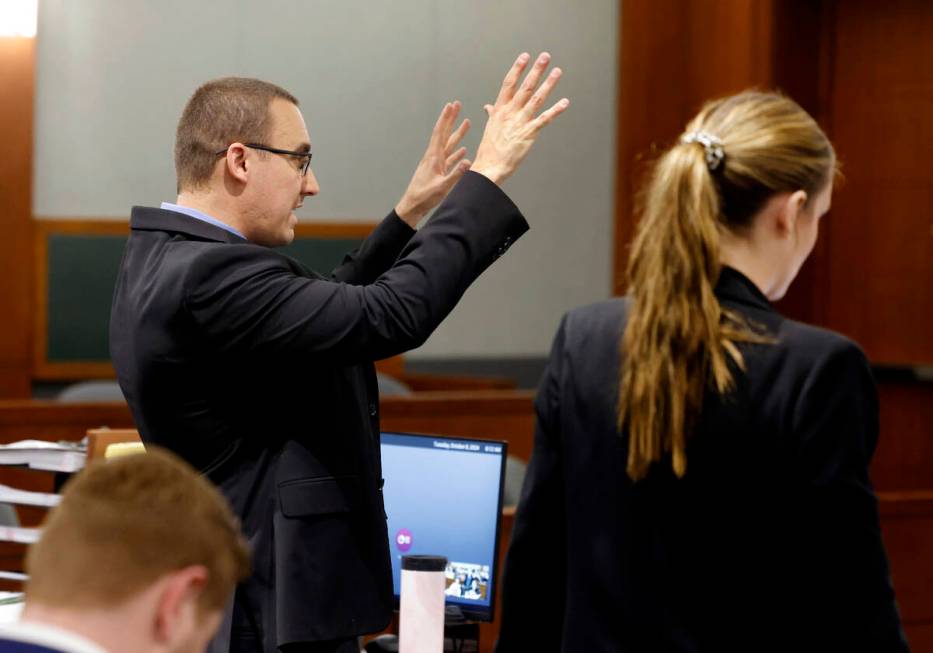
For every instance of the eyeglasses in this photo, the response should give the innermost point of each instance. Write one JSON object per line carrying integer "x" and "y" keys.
{"x": 305, "y": 157}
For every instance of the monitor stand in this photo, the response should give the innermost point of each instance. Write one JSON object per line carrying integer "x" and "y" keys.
{"x": 460, "y": 634}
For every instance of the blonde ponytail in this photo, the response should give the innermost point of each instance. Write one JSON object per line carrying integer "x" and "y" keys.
{"x": 678, "y": 341}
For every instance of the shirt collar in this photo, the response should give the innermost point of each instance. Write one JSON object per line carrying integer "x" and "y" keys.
{"x": 40, "y": 634}
{"x": 198, "y": 215}
{"x": 735, "y": 286}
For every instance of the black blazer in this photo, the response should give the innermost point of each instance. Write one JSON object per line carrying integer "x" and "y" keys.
{"x": 259, "y": 372}
{"x": 771, "y": 540}
{"x": 16, "y": 646}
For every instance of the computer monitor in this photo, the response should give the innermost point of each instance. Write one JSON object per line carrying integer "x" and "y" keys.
{"x": 443, "y": 496}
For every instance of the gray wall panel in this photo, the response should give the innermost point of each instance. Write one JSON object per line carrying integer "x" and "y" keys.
{"x": 371, "y": 77}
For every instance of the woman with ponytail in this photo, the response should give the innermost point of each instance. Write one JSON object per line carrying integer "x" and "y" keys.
{"x": 699, "y": 480}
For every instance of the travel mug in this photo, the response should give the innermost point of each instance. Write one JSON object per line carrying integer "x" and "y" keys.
{"x": 421, "y": 614}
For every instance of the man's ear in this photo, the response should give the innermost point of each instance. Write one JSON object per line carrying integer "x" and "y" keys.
{"x": 789, "y": 212}
{"x": 177, "y": 602}
{"x": 236, "y": 161}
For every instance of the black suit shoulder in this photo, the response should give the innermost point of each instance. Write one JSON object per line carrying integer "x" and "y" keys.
{"x": 219, "y": 266}
{"x": 792, "y": 365}
{"x": 776, "y": 506}
{"x": 805, "y": 342}
{"x": 597, "y": 321}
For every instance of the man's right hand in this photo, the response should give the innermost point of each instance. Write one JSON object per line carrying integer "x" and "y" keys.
{"x": 512, "y": 126}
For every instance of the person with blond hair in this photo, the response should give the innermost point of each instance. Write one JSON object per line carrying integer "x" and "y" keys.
{"x": 699, "y": 479}
{"x": 142, "y": 555}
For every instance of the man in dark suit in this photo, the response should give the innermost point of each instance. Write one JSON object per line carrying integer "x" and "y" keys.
{"x": 141, "y": 555}
{"x": 259, "y": 371}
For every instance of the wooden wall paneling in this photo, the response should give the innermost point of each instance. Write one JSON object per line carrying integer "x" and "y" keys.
{"x": 920, "y": 637}
{"x": 675, "y": 55}
{"x": 11, "y": 559}
{"x": 30, "y": 516}
{"x": 50, "y": 420}
{"x": 880, "y": 259}
{"x": 907, "y": 527}
{"x": 496, "y": 415}
{"x": 23, "y": 478}
{"x": 445, "y": 383}
{"x": 904, "y": 455}
{"x": 802, "y": 58}
{"x": 17, "y": 70}
{"x": 492, "y": 414}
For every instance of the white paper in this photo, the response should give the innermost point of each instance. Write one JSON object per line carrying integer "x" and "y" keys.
{"x": 24, "y": 498}
{"x": 19, "y": 534}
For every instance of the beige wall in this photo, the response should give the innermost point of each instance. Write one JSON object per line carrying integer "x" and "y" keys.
{"x": 371, "y": 77}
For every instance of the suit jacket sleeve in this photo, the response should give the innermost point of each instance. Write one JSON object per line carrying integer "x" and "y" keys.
{"x": 837, "y": 419}
{"x": 376, "y": 254}
{"x": 248, "y": 301}
{"x": 535, "y": 576}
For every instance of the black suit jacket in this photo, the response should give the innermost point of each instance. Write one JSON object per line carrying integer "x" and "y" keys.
{"x": 16, "y": 646}
{"x": 259, "y": 372}
{"x": 771, "y": 540}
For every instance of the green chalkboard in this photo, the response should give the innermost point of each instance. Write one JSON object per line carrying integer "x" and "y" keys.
{"x": 82, "y": 270}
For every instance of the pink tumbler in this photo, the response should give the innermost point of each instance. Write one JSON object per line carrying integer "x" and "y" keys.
{"x": 421, "y": 614}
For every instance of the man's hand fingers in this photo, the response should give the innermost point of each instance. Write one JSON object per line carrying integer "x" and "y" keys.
{"x": 457, "y": 136}
{"x": 531, "y": 80}
{"x": 449, "y": 123}
{"x": 549, "y": 115}
{"x": 438, "y": 130}
{"x": 442, "y": 127}
{"x": 454, "y": 158}
{"x": 510, "y": 83}
{"x": 537, "y": 100}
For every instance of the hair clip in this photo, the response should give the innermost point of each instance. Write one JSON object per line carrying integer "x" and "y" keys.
{"x": 712, "y": 145}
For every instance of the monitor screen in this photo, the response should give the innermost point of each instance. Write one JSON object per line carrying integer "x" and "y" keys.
{"x": 443, "y": 497}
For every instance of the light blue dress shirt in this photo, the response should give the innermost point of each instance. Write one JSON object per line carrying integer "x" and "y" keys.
{"x": 203, "y": 217}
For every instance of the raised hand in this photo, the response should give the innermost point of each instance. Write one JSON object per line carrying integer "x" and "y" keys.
{"x": 512, "y": 126}
{"x": 439, "y": 169}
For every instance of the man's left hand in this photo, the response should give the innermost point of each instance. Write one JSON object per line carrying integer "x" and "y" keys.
{"x": 439, "y": 169}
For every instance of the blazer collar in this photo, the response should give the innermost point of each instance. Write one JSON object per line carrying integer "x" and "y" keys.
{"x": 145, "y": 218}
{"x": 735, "y": 286}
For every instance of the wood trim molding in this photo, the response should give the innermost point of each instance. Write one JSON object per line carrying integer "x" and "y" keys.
{"x": 46, "y": 227}
{"x": 72, "y": 371}
{"x": 42, "y": 369}
{"x": 120, "y": 226}
{"x": 39, "y": 301}
{"x": 335, "y": 230}
{"x": 487, "y": 403}
{"x": 52, "y": 420}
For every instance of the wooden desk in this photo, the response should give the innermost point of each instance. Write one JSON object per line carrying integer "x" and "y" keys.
{"x": 906, "y": 512}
